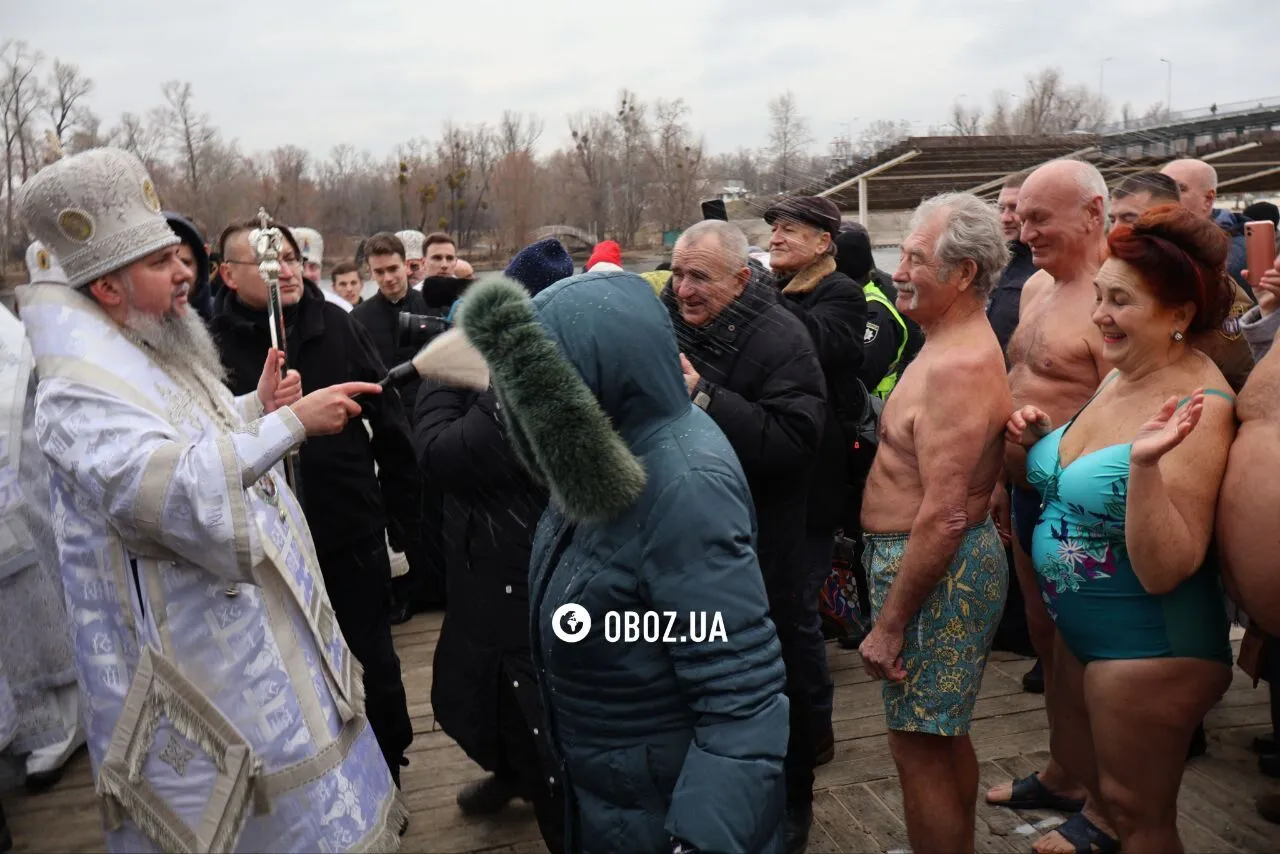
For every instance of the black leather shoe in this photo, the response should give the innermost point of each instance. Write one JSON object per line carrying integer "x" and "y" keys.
{"x": 43, "y": 781}
{"x": 799, "y": 822}
{"x": 488, "y": 796}
{"x": 1033, "y": 679}
{"x": 6, "y": 839}
{"x": 826, "y": 747}
{"x": 400, "y": 614}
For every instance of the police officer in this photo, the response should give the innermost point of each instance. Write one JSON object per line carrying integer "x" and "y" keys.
{"x": 889, "y": 342}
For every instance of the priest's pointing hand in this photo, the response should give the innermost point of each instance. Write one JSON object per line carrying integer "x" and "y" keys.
{"x": 327, "y": 410}
{"x": 275, "y": 391}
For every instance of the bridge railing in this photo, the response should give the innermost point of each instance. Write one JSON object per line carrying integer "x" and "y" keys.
{"x": 1222, "y": 111}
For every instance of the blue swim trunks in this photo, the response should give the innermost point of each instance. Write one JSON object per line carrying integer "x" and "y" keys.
{"x": 946, "y": 643}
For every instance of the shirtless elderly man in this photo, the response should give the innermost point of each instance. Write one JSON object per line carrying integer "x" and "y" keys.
{"x": 1057, "y": 363}
{"x": 935, "y": 562}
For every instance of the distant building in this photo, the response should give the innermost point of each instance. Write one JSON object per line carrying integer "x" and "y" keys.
{"x": 733, "y": 191}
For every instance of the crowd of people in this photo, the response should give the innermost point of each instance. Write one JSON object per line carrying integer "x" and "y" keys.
{"x": 1056, "y": 410}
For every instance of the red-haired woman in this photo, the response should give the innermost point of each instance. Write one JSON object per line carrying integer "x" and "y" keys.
{"x": 1130, "y": 486}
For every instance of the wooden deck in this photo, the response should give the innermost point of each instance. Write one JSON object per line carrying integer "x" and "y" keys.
{"x": 858, "y": 806}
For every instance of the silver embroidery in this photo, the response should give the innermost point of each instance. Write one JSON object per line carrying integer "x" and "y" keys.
{"x": 176, "y": 756}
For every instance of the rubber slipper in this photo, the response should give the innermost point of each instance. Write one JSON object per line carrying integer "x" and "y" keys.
{"x": 1086, "y": 836}
{"x": 1030, "y": 794}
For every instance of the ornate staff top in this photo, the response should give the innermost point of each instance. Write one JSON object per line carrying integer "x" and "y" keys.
{"x": 266, "y": 241}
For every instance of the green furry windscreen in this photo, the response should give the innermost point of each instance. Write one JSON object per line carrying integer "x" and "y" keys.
{"x": 589, "y": 469}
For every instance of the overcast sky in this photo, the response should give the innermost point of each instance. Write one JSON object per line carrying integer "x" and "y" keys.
{"x": 321, "y": 72}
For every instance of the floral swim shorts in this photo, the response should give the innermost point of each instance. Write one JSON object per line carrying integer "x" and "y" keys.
{"x": 946, "y": 643}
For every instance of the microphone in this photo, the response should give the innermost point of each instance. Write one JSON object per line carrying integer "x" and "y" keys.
{"x": 449, "y": 359}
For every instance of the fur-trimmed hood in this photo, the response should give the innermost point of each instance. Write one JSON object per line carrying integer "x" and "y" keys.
{"x": 583, "y": 372}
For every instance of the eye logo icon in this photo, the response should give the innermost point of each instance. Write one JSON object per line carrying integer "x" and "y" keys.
{"x": 571, "y": 622}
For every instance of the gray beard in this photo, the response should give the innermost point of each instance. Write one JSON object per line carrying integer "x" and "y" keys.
{"x": 180, "y": 343}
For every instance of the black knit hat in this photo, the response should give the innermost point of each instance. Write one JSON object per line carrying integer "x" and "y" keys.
{"x": 853, "y": 252}
{"x": 541, "y": 265}
{"x": 816, "y": 211}
{"x": 1259, "y": 211}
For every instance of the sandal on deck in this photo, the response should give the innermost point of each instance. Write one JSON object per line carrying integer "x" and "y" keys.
{"x": 1030, "y": 794}
{"x": 1086, "y": 836}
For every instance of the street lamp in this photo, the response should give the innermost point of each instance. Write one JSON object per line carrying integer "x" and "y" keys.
{"x": 1102, "y": 67}
{"x": 1168, "y": 91}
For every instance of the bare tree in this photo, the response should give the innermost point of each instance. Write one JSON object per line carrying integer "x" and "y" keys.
{"x": 789, "y": 139}
{"x": 633, "y": 145}
{"x": 965, "y": 121}
{"x": 592, "y": 135}
{"x": 23, "y": 99}
{"x": 882, "y": 134}
{"x": 66, "y": 88}
{"x": 517, "y": 133}
{"x": 677, "y": 159}
{"x": 289, "y": 167}
{"x": 189, "y": 132}
{"x": 145, "y": 141}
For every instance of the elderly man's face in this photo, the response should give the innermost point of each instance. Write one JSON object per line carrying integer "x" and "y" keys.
{"x": 441, "y": 260}
{"x": 1008, "y": 205}
{"x": 1055, "y": 219}
{"x": 240, "y": 272}
{"x": 416, "y": 267}
{"x": 795, "y": 245}
{"x": 705, "y": 279}
{"x": 924, "y": 294}
{"x": 1195, "y": 185}
{"x": 158, "y": 284}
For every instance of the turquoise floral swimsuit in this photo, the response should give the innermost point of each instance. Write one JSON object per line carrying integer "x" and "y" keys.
{"x": 1086, "y": 578}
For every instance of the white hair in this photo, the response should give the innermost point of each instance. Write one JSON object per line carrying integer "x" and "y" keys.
{"x": 730, "y": 237}
{"x": 972, "y": 232}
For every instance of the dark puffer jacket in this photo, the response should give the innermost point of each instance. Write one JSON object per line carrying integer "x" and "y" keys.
{"x": 767, "y": 395}
{"x": 834, "y": 310}
{"x": 491, "y": 508}
{"x": 655, "y": 740}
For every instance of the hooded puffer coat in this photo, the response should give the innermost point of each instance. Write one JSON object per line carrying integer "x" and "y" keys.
{"x": 650, "y": 512}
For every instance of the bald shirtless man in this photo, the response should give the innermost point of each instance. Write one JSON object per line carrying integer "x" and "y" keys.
{"x": 934, "y": 560}
{"x": 1057, "y": 364}
{"x": 1198, "y": 191}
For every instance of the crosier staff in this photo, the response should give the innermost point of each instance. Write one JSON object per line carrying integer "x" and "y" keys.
{"x": 266, "y": 242}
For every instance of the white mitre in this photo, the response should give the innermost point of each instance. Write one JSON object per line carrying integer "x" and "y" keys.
{"x": 42, "y": 266}
{"x": 413, "y": 244}
{"x": 95, "y": 212}
{"x": 310, "y": 243}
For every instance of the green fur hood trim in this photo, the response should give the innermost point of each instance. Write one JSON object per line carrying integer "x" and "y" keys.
{"x": 555, "y": 422}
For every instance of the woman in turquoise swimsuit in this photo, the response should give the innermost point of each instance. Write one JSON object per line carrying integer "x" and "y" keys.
{"x": 1129, "y": 487}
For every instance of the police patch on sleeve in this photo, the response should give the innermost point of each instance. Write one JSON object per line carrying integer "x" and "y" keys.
{"x": 1231, "y": 324}
{"x": 873, "y": 329}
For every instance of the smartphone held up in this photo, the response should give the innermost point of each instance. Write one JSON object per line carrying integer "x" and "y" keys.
{"x": 1260, "y": 249}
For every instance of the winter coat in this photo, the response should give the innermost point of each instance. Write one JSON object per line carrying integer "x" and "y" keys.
{"x": 1233, "y": 225}
{"x": 834, "y": 310}
{"x": 379, "y": 316}
{"x": 650, "y": 512}
{"x": 765, "y": 391}
{"x": 1006, "y": 299}
{"x": 491, "y": 508}
{"x": 343, "y": 499}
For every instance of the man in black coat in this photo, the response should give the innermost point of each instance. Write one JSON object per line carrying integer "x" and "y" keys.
{"x": 483, "y": 690}
{"x": 834, "y": 310}
{"x": 423, "y": 588}
{"x": 1006, "y": 299}
{"x": 348, "y": 507}
{"x": 750, "y": 364}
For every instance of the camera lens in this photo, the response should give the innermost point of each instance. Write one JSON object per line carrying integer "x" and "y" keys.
{"x": 416, "y": 330}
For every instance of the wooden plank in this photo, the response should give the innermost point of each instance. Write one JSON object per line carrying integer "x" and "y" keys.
{"x": 871, "y": 814}
{"x": 842, "y": 832}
